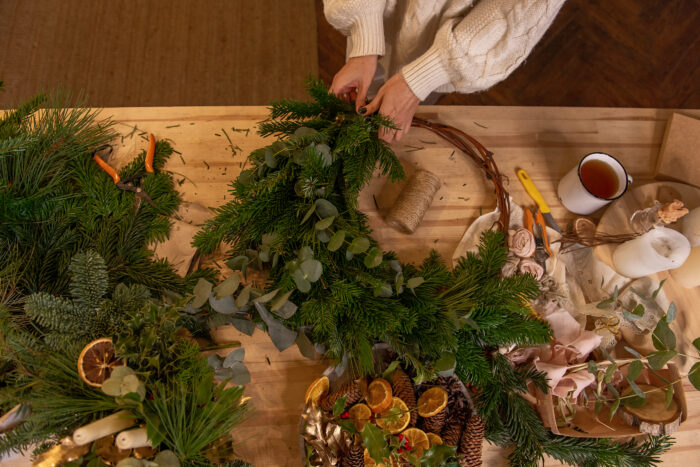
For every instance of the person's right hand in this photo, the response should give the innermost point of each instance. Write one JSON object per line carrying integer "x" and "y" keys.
{"x": 353, "y": 80}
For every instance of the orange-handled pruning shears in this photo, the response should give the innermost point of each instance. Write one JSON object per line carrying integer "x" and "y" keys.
{"x": 125, "y": 184}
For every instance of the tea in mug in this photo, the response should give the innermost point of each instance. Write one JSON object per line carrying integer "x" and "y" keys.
{"x": 599, "y": 179}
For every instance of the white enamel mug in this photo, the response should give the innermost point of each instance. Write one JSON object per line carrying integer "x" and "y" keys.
{"x": 577, "y": 198}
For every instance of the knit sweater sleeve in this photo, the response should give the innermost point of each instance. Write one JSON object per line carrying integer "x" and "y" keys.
{"x": 482, "y": 48}
{"x": 362, "y": 20}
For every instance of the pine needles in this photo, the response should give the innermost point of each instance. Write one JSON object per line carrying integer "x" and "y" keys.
{"x": 55, "y": 201}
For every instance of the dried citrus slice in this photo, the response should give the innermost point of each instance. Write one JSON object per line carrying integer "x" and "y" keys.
{"x": 431, "y": 402}
{"x": 97, "y": 360}
{"x": 417, "y": 440}
{"x": 317, "y": 390}
{"x": 379, "y": 395}
{"x": 359, "y": 415}
{"x": 369, "y": 462}
{"x": 434, "y": 439}
{"x": 395, "y": 418}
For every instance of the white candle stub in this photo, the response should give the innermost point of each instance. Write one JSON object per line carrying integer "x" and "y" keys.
{"x": 691, "y": 227}
{"x": 660, "y": 249}
{"x": 688, "y": 275}
{"x": 133, "y": 439}
{"x": 106, "y": 426}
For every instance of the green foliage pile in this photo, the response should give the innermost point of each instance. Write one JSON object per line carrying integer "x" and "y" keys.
{"x": 55, "y": 201}
{"x": 185, "y": 411}
{"x": 294, "y": 213}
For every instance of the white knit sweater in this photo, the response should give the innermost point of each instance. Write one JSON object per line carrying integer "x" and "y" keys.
{"x": 444, "y": 45}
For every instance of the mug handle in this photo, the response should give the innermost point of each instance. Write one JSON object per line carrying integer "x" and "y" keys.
{"x": 629, "y": 179}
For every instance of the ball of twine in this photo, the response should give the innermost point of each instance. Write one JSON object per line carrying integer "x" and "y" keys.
{"x": 413, "y": 201}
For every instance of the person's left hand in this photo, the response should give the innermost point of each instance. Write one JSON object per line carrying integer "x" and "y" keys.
{"x": 396, "y": 101}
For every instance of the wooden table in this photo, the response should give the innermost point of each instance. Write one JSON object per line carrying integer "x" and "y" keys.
{"x": 545, "y": 141}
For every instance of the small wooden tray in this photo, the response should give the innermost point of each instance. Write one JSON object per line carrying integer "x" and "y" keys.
{"x": 586, "y": 424}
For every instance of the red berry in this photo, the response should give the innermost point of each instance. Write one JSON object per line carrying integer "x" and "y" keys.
{"x": 345, "y": 415}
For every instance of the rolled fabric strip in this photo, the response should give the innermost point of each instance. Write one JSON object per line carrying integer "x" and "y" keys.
{"x": 133, "y": 439}
{"x": 106, "y": 426}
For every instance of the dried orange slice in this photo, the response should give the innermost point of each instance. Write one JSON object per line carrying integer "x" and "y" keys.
{"x": 369, "y": 462}
{"x": 379, "y": 395}
{"x": 317, "y": 390}
{"x": 359, "y": 415}
{"x": 97, "y": 360}
{"x": 432, "y": 401}
{"x": 434, "y": 439}
{"x": 395, "y": 418}
{"x": 417, "y": 440}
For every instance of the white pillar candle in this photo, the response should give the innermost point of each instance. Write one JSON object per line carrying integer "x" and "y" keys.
{"x": 691, "y": 227}
{"x": 106, "y": 426}
{"x": 660, "y": 249}
{"x": 688, "y": 275}
{"x": 133, "y": 439}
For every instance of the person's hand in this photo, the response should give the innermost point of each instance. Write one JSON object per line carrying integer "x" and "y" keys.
{"x": 396, "y": 101}
{"x": 353, "y": 80}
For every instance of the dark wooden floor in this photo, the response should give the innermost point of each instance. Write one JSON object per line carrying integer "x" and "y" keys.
{"x": 618, "y": 53}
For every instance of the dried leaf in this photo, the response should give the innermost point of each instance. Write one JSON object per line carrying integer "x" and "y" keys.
{"x": 243, "y": 297}
{"x": 228, "y": 286}
{"x": 267, "y": 297}
{"x": 280, "y": 335}
{"x": 236, "y": 355}
{"x": 225, "y": 306}
{"x": 201, "y": 292}
{"x": 245, "y": 326}
{"x": 306, "y": 347}
{"x": 286, "y": 311}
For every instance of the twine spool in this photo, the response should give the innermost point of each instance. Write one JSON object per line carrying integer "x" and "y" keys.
{"x": 413, "y": 201}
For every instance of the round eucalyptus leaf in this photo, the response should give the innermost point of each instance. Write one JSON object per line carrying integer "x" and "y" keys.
{"x": 270, "y": 159}
{"x": 301, "y": 282}
{"x": 112, "y": 387}
{"x": 323, "y": 236}
{"x": 374, "y": 258}
{"x": 312, "y": 269}
{"x": 359, "y": 245}
{"x": 305, "y": 253}
{"x": 303, "y": 131}
{"x": 323, "y": 224}
{"x": 325, "y": 208}
{"x": 121, "y": 371}
{"x": 336, "y": 240}
{"x": 167, "y": 458}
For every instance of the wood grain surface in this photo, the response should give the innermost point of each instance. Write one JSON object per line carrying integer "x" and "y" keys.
{"x": 545, "y": 141}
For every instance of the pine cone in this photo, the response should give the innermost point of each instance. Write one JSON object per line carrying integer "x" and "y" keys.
{"x": 352, "y": 391}
{"x": 402, "y": 387}
{"x": 435, "y": 423}
{"x": 472, "y": 439}
{"x": 355, "y": 457}
{"x": 454, "y": 425}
